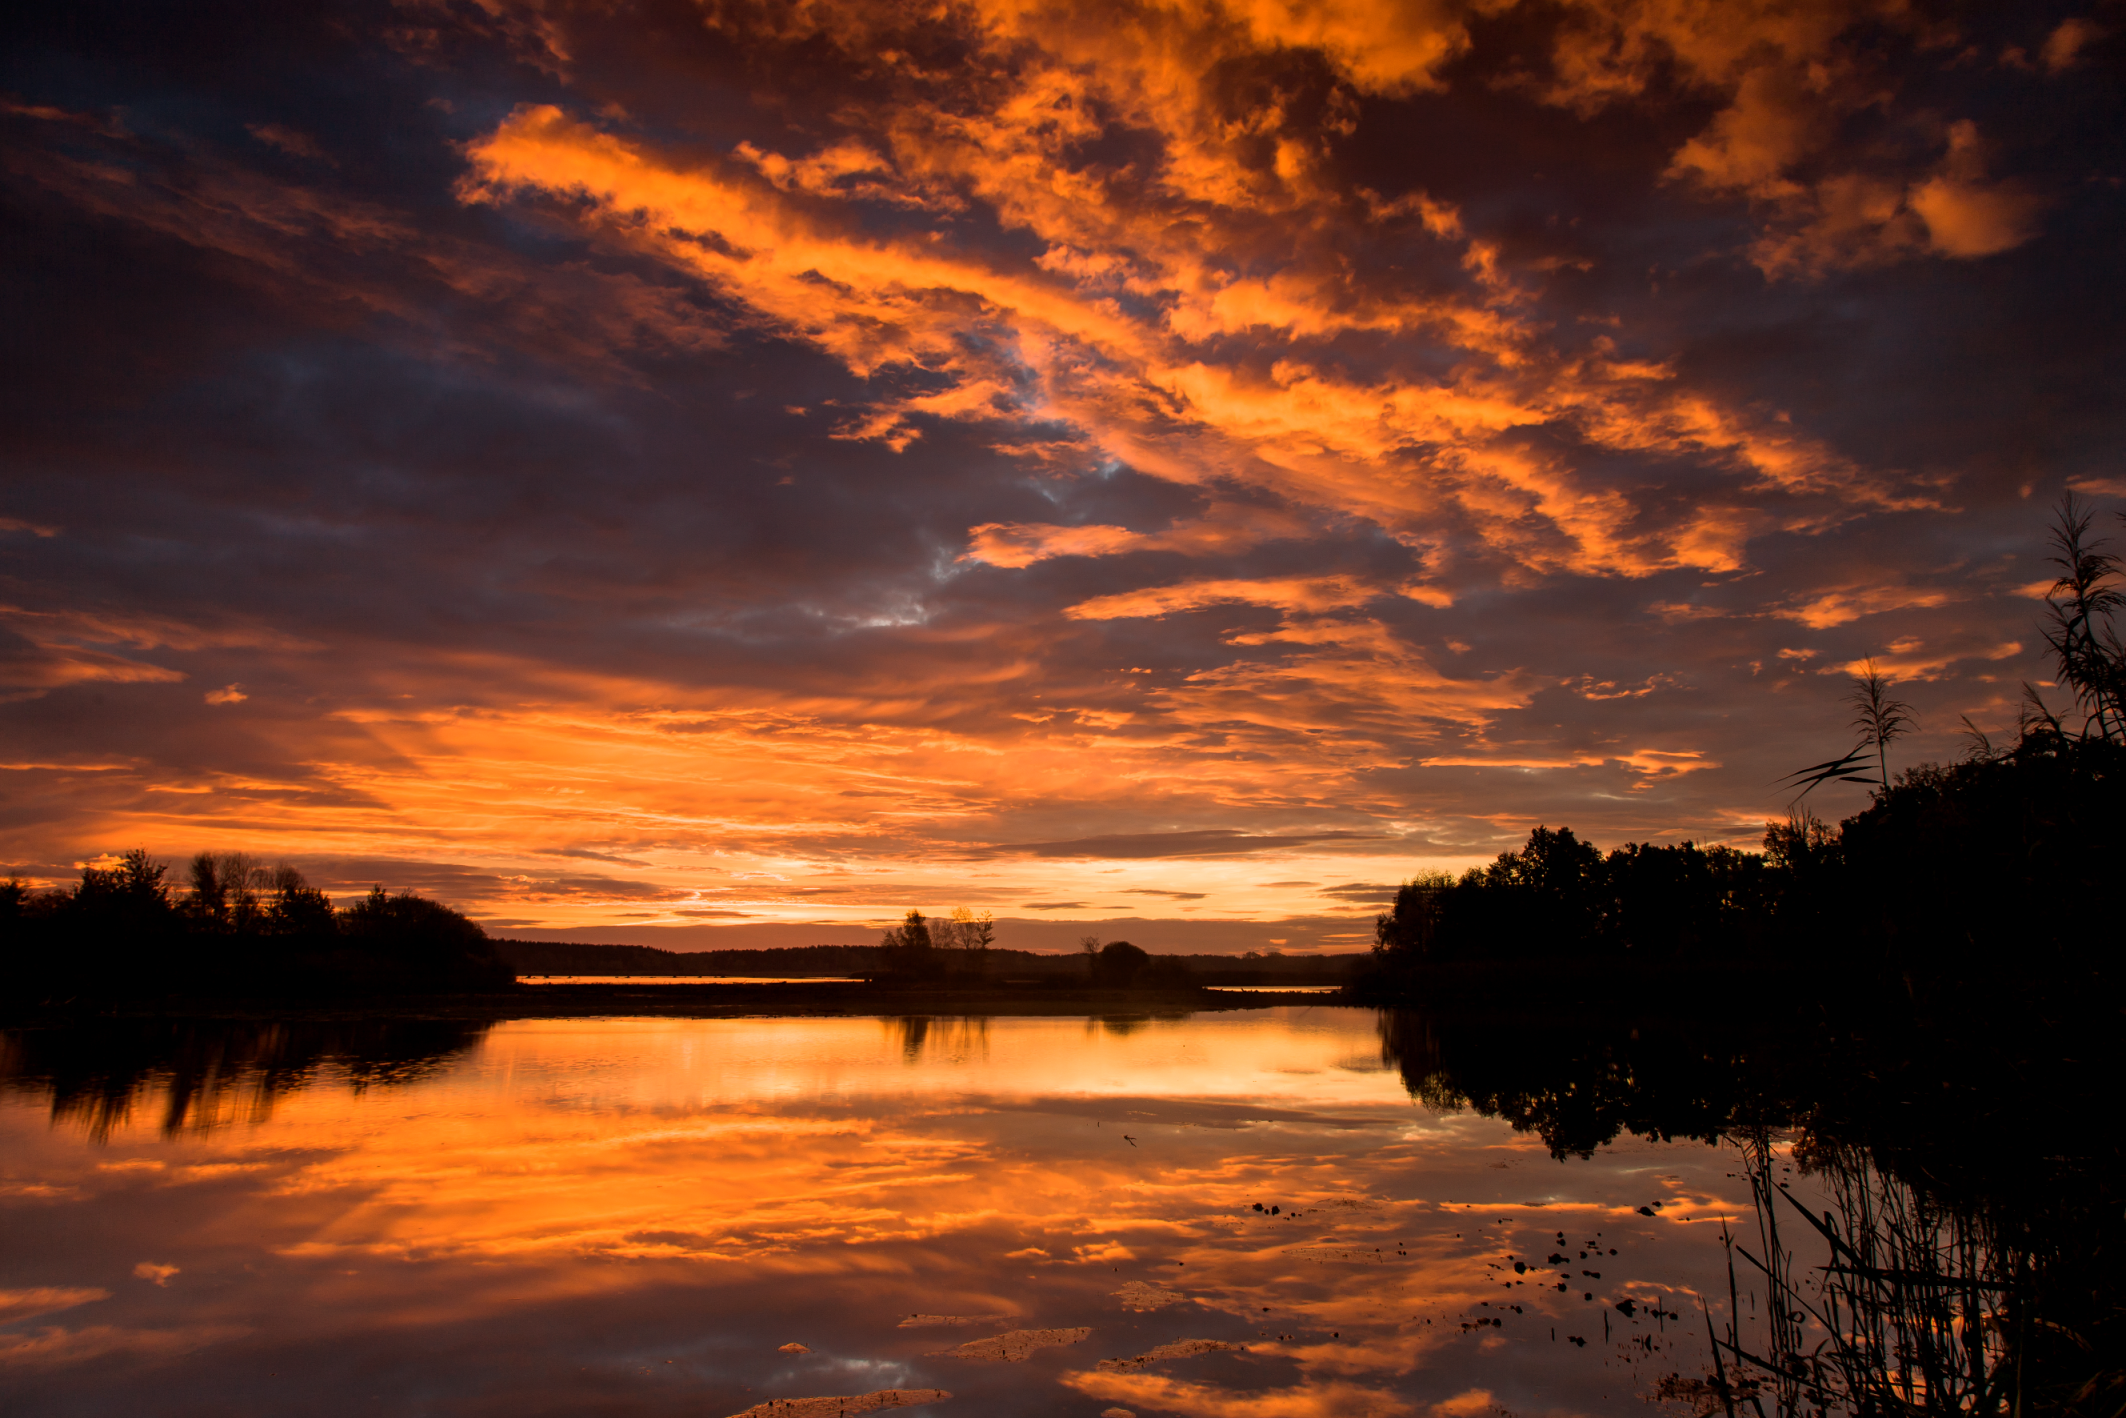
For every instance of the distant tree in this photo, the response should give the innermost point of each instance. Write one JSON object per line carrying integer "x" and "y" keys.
{"x": 207, "y": 903}
{"x": 227, "y": 892}
{"x": 910, "y": 949}
{"x": 966, "y": 937}
{"x": 121, "y": 917}
{"x": 1119, "y": 964}
{"x": 418, "y": 942}
{"x": 971, "y": 931}
{"x": 915, "y": 932}
{"x": 18, "y": 945}
{"x": 297, "y": 908}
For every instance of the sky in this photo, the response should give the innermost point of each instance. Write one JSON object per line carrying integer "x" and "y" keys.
{"x": 726, "y": 473}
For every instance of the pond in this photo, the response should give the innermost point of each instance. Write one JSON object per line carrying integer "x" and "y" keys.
{"x": 1242, "y": 1212}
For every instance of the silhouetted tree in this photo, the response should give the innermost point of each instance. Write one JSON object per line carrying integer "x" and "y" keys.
{"x": 1684, "y": 901}
{"x": 1409, "y": 927}
{"x": 1546, "y": 899}
{"x": 910, "y": 951}
{"x": 298, "y": 908}
{"x": 420, "y": 943}
{"x": 1119, "y": 964}
{"x": 121, "y": 916}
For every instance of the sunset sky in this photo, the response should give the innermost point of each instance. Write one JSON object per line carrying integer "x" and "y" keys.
{"x": 725, "y": 473}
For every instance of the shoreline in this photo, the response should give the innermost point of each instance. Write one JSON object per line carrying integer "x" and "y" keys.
{"x": 679, "y": 1001}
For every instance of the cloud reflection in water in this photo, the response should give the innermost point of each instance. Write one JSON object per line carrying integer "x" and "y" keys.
{"x": 635, "y": 1215}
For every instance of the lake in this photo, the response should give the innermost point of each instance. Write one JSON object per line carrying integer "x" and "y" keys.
{"x": 1235, "y": 1213}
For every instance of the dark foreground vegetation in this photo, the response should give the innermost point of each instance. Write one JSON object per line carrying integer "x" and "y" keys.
{"x": 1994, "y": 880}
{"x": 1999, "y": 874}
{"x": 236, "y": 928}
{"x": 1918, "y": 1010}
{"x": 1969, "y": 1255}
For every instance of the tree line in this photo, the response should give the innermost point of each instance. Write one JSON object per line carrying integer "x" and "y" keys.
{"x": 924, "y": 947}
{"x": 2001, "y": 868}
{"x": 237, "y": 925}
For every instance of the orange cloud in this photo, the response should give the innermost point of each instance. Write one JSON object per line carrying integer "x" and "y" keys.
{"x": 1820, "y": 612}
{"x": 1290, "y": 593}
{"x": 1409, "y": 454}
{"x": 1909, "y": 659}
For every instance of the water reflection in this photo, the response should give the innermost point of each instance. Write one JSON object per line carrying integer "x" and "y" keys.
{"x": 1935, "y": 1218}
{"x": 1243, "y": 1213}
{"x": 1903, "y": 1305}
{"x": 198, "y": 1076}
{"x": 1222, "y": 1214}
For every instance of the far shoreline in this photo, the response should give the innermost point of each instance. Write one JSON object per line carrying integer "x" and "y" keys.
{"x": 682, "y": 1001}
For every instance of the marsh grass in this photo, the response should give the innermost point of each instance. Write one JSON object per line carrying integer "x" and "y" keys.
{"x": 1908, "y": 1313}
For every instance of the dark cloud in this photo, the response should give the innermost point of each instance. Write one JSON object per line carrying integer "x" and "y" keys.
{"x": 1361, "y": 893}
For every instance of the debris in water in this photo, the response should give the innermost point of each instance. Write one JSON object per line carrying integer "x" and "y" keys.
{"x": 852, "y": 1403}
{"x": 1139, "y": 1296}
{"x": 1179, "y": 1349}
{"x": 1015, "y": 1345}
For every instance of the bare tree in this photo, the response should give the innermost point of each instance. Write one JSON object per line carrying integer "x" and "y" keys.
{"x": 973, "y": 932}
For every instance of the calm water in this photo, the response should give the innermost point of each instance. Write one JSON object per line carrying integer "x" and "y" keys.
{"x": 640, "y": 1216}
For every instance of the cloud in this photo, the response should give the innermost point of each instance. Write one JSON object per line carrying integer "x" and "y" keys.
{"x": 1204, "y": 842}
{"x": 1313, "y": 594}
{"x": 1909, "y": 659}
{"x": 1012, "y": 344}
{"x": 16, "y": 1305}
{"x": 2063, "y": 47}
{"x": 30, "y": 667}
{"x": 1361, "y": 893}
{"x": 1840, "y": 607}
{"x": 1224, "y": 527}
{"x": 289, "y": 141}
{"x": 1966, "y": 215}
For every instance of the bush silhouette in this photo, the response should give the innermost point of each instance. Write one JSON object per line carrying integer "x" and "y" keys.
{"x": 1119, "y": 964}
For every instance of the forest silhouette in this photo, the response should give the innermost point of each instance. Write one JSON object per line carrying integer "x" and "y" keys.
{"x": 1993, "y": 877}
{"x": 239, "y": 927}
